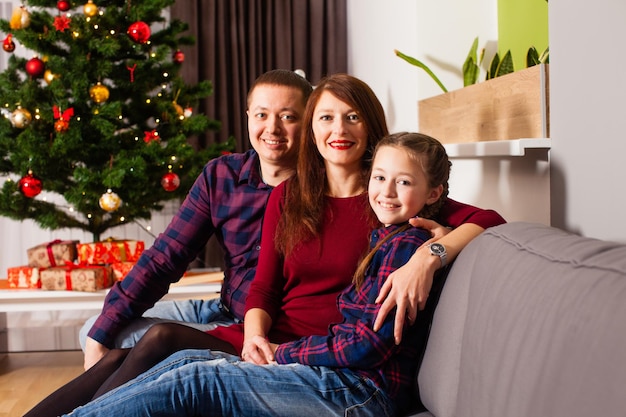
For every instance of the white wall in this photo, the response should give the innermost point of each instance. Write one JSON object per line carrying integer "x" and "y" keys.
{"x": 577, "y": 186}
{"x": 440, "y": 34}
{"x": 588, "y": 86}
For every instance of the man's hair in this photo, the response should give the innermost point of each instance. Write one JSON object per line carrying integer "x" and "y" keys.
{"x": 284, "y": 78}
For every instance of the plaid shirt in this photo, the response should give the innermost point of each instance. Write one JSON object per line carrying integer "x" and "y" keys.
{"x": 228, "y": 199}
{"x": 353, "y": 344}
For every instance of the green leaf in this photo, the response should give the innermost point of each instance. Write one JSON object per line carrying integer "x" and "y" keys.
{"x": 420, "y": 64}
{"x": 506, "y": 65}
{"x": 493, "y": 67}
{"x": 532, "y": 57}
{"x": 470, "y": 66}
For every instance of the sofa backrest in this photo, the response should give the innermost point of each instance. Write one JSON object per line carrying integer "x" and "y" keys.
{"x": 531, "y": 322}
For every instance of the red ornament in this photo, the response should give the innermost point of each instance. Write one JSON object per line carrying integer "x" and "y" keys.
{"x": 139, "y": 32}
{"x": 61, "y": 125}
{"x": 178, "y": 57}
{"x": 63, "y": 5}
{"x": 35, "y": 67}
{"x": 150, "y": 136}
{"x": 30, "y": 185}
{"x": 61, "y": 23}
{"x": 8, "y": 45}
{"x": 170, "y": 182}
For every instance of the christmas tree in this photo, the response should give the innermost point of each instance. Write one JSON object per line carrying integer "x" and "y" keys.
{"x": 96, "y": 116}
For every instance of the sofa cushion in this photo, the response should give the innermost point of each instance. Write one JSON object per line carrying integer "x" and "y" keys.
{"x": 531, "y": 322}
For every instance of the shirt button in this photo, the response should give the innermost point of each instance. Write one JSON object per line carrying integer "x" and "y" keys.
{"x": 258, "y": 247}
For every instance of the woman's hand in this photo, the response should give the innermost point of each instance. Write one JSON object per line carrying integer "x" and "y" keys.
{"x": 408, "y": 286}
{"x": 258, "y": 350}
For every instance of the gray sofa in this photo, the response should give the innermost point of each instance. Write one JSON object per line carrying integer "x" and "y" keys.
{"x": 530, "y": 323}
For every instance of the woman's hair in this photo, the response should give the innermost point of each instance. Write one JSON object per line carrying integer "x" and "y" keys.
{"x": 304, "y": 206}
{"x": 284, "y": 78}
{"x": 431, "y": 156}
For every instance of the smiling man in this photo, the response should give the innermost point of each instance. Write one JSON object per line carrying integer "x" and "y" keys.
{"x": 227, "y": 200}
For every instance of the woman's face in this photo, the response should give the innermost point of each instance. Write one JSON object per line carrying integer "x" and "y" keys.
{"x": 340, "y": 133}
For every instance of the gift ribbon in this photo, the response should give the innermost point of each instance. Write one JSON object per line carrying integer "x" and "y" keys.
{"x": 49, "y": 250}
{"x": 120, "y": 245}
{"x": 71, "y": 267}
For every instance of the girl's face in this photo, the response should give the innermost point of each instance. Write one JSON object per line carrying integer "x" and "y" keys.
{"x": 340, "y": 134}
{"x": 398, "y": 187}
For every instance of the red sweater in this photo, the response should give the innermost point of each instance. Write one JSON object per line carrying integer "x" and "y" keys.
{"x": 300, "y": 292}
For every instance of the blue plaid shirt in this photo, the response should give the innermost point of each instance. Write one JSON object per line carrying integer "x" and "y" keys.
{"x": 227, "y": 200}
{"x": 352, "y": 343}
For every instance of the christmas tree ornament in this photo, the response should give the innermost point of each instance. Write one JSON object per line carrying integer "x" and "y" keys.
{"x": 61, "y": 23}
{"x": 20, "y": 118}
{"x": 139, "y": 32}
{"x": 49, "y": 76}
{"x": 90, "y": 9}
{"x": 63, "y": 5}
{"x": 30, "y": 185}
{"x": 188, "y": 112}
{"x": 151, "y": 136}
{"x": 170, "y": 182}
{"x": 35, "y": 67}
{"x": 178, "y": 57}
{"x": 20, "y": 19}
{"x": 62, "y": 123}
{"x": 110, "y": 201}
{"x": 99, "y": 93}
{"x": 8, "y": 45}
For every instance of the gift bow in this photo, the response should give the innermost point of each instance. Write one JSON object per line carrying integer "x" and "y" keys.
{"x": 63, "y": 116}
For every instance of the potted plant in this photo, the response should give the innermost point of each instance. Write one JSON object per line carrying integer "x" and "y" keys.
{"x": 509, "y": 104}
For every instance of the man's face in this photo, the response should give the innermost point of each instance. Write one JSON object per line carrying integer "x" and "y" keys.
{"x": 274, "y": 120}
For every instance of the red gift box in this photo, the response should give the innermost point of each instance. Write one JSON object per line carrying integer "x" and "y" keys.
{"x": 88, "y": 278}
{"x": 121, "y": 269}
{"x": 109, "y": 251}
{"x": 23, "y": 277}
{"x": 54, "y": 253}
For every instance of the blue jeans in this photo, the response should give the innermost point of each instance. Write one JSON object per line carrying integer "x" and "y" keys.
{"x": 205, "y": 383}
{"x": 201, "y": 314}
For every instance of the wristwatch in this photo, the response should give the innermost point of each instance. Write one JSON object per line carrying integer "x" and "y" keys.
{"x": 439, "y": 250}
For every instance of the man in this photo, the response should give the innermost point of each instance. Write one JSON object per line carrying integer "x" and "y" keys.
{"x": 228, "y": 199}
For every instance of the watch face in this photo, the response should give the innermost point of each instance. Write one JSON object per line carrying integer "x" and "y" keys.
{"x": 437, "y": 249}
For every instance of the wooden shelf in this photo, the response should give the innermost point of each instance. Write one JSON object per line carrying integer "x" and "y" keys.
{"x": 514, "y": 147}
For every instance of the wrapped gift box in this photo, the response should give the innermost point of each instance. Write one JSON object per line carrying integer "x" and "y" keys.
{"x": 121, "y": 269}
{"x": 54, "y": 253}
{"x": 87, "y": 278}
{"x": 23, "y": 277}
{"x": 109, "y": 251}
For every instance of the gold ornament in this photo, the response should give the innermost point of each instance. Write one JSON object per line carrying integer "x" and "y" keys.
{"x": 20, "y": 19}
{"x": 110, "y": 201}
{"x": 20, "y": 118}
{"x": 99, "y": 93}
{"x": 90, "y": 9}
{"x": 48, "y": 76}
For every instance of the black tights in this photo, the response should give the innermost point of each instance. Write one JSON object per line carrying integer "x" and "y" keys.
{"x": 119, "y": 366}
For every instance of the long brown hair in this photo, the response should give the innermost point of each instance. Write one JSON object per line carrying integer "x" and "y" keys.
{"x": 430, "y": 154}
{"x": 304, "y": 206}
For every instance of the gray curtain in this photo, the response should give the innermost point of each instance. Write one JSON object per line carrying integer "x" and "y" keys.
{"x": 237, "y": 40}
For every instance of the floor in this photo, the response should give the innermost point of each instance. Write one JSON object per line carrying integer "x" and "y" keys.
{"x": 26, "y": 378}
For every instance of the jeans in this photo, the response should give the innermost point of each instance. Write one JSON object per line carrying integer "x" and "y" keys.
{"x": 201, "y": 314}
{"x": 205, "y": 383}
